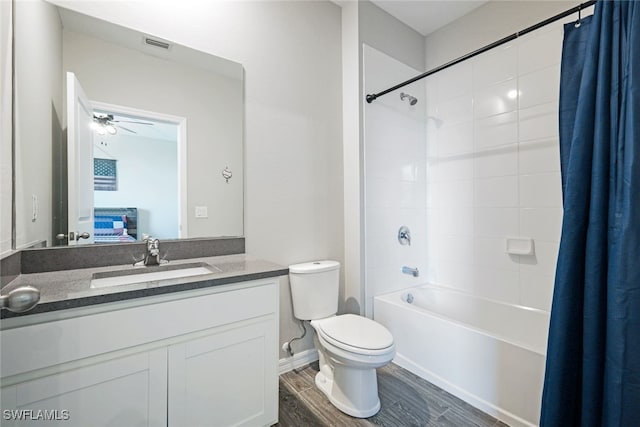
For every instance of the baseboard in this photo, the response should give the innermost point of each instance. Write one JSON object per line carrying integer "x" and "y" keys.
{"x": 297, "y": 360}
{"x": 489, "y": 408}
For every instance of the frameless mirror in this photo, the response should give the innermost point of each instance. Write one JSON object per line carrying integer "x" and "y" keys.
{"x": 118, "y": 134}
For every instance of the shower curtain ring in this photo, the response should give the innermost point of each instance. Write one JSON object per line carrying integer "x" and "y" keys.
{"x": 579, "y": 21}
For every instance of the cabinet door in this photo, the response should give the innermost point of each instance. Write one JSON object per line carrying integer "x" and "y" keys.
{"x": 125, "y": 391}
{"x": 226, "y": 378}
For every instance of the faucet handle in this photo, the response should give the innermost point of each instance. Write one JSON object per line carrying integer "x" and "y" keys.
{"x": 404, "y": 235}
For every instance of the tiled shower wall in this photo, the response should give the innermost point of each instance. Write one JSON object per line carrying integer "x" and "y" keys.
{"x": 395, "y": 177}
{"x": 493, "y": 171}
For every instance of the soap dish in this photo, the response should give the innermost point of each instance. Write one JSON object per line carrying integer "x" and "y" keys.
{"x": 519, "y": 246}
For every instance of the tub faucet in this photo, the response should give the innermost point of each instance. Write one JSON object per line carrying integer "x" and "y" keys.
{"x": 152, "y": 253}
{"x": 412, "y": 271}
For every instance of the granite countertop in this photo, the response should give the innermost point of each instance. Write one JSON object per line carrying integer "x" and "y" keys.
{"x": 66, "y": 289}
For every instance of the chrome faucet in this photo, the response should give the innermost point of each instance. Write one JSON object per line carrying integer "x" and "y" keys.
{"x": 412, "y": 271}
{"x": 152, "y": 254}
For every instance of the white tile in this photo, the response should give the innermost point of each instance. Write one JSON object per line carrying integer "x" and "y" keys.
{"x": 496, "y": 192}
{"x": 381, "y": 281}
{"x": 541, "y": 223}
{"x": 496, "y": 222}
{"x": 455, "y": 275}
{"x": 542, "y": 190}
{"x": 455, "y": 110}
{"x": 539, "y": 122}
{"x": 497, "y": 284}
{"x": 490, "y": 253}
{"x": 539, "y": 156}
{"x": 398, "y": 166}
{"x": 536, "y": 290}
{"x": 495, "y": 66}
{"x": 538, "y": 50}
{"x": 381, "y": 192}
{"x": 433, "y": 245}
{"x": 431, "y": 93}
{"x": 539, "y": 87}
{"x": 495, "y": 131}
{"x": 382, "y": 252}
{"x": 544, "y": 261}
{"x": 455, "y": 139}
{"x": 454, "y": 168}
{"x": 457, "y": 249}
{"x": 454, "y": 194}
{"x": 387, "y": 221}
{"x": 497, "y": 99}
{"x": 413, "y": 195}
{"x": 431, "y": 194}
{"x": 456, "y": 221}
{"x": 499, "y": 161}
{"x": 455, "y": 81}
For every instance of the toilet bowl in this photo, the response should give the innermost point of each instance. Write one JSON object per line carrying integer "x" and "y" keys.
{"x": 350, "y": 347}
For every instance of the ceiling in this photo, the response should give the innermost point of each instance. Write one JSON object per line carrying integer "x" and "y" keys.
{"x": 426, "y": 16}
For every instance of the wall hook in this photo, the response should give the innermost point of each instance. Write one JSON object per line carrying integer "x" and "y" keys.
{"x": 227, "y": 174}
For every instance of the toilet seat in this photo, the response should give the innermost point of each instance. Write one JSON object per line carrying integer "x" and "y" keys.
{"x": 355, "y": 334}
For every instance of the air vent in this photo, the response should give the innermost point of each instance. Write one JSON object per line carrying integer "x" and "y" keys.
{"x": 157, "y": 43}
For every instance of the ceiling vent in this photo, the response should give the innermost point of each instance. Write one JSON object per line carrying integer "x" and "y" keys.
{"x": 157, "y": 43}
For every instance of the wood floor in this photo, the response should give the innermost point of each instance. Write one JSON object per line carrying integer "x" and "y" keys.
{"x": 406, "y": 400}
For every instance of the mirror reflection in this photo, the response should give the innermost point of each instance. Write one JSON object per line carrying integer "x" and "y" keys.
{"x": 120, "y": 134}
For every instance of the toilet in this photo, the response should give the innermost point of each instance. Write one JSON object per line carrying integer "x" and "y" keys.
{"x": 350, "y": 347}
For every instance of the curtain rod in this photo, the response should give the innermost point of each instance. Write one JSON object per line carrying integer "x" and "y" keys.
{"x": 372, "y": 97}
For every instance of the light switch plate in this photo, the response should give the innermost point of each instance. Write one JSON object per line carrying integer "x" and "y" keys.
{"x": 201, "y": 212}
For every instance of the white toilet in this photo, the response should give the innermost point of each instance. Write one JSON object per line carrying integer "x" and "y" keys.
{"x": 350, "y": 347}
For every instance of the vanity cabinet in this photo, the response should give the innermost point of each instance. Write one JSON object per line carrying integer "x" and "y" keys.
{"x": 194, "y": 358}
{"x": 124, "y": 391}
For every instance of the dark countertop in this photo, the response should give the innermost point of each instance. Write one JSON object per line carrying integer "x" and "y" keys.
{"x": 60, "y": 290}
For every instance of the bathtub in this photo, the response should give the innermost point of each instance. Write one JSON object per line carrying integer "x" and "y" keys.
{"x": 488, "y": 353}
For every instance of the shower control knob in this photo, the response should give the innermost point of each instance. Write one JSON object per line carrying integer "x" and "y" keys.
{"x": 404, "y": 235}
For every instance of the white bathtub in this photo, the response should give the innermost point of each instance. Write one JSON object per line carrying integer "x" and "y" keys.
{"x": 488, "y": 353}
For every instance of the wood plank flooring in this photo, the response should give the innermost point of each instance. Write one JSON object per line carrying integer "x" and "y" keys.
{"x": 406, "y": 400}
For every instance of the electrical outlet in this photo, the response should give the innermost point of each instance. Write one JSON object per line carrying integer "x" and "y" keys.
{"x": 201, "y": 212}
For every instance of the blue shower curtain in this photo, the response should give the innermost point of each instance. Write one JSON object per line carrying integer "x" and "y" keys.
{"x": 593, "y": 359}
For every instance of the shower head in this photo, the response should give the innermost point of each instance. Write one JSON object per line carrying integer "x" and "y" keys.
{"x": 412, "y": 100}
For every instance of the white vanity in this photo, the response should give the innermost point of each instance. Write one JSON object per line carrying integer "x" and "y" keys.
{"x": 198, "y": 357}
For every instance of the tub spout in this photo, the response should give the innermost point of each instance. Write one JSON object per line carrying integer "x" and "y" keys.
{"x": 413, "y": 271}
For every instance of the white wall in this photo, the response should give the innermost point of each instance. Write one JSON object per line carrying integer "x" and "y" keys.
{"x": 293, "y": 144}
{"x": 147, "y": 179}
{"x": 486, "y": 24}
{"x": 6, "y": 189}
{"x": 211, "y": 103}
{"x": 395, "y": 184}
{"x": 387, "y": 34}
{"x": 38, "y": 100}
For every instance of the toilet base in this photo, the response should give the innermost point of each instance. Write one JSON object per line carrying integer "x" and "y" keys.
{"x": 336, "y": 394}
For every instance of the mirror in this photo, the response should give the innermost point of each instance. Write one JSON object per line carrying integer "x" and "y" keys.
{"x": 167, "y": 132}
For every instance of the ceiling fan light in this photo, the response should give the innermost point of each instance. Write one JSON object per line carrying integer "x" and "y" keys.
{"x": 95, "y": 126}
{"x": 101, "y": 130}
{"x": 111, "y": 129}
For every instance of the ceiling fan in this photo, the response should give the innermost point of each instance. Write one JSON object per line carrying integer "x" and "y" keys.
{"x": 106, "y": 124}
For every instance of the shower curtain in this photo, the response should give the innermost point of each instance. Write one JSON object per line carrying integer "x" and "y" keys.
{"x": 593, "y": 360}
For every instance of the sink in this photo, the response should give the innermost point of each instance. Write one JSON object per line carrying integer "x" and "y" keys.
{"x": 151, "y": 274}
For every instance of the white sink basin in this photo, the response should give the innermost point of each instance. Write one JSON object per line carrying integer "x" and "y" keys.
{"x": 151, "y": 274}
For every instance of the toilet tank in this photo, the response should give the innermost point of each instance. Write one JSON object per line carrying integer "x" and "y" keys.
{"x": 314, "y": 289}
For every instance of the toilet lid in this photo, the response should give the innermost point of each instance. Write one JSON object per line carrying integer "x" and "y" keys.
{"x": 357, "y": 331}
